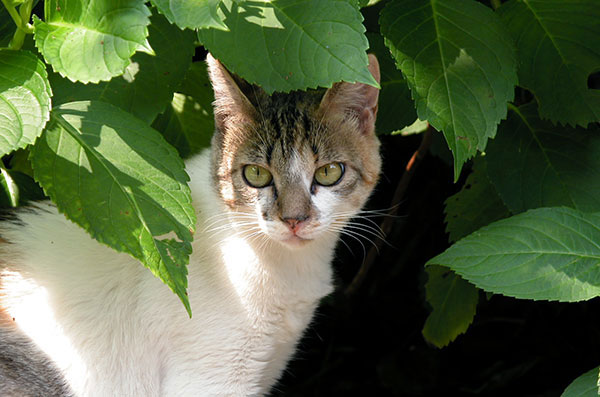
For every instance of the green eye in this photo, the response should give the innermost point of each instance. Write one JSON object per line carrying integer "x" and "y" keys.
{"x": 257, "y": 176}
{"x": 329, "y": 174}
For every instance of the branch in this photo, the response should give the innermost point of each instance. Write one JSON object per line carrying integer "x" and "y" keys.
{"x": 388, "y": 222}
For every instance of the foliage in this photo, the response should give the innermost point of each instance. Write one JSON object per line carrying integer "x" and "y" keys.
{"x": 94, "y": 94}
{"x": 584, "y": 386}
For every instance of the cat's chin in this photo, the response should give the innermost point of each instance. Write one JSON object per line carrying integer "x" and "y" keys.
{"x": 295, "y": 242}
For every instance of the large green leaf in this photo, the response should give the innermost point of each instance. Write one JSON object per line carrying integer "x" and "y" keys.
{"x": 547, "y": 253}
{"x": 584, "y": 386}
{"x": 192, "y": 14}
{"x": 459, "y": 64}
{"x": 292, "y": 44}
{"x": 453, "y": 301}
{"x": 396, "y": 108}
{"x": 188, "y": 123}
{"x": 117, "y": 178}
{"x": 149, "y": 81}
{"x": 91, "y": 40}
{"x": 558, "y": 44}
{"x": 549, "y": 165}
{"x": 24, "y": 99}
{"x": 476, "y": 205}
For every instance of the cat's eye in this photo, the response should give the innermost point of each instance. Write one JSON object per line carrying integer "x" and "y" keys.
{"x": 257, "y": 176}
{"x": 330, "y": 174}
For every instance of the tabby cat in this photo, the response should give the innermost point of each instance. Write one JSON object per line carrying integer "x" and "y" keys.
{"x": 284, "y": 175}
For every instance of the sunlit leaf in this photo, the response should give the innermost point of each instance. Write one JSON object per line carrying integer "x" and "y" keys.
{"x": 91, "y": 41}
{"x": 117, "y": 178}
{"x": 293, "y": 44}
{"x": 24, "y": 99}
{"x": 147, "y": 86}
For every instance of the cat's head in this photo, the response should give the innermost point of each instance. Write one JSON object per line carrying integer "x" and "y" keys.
{"x": 294, "y": 167}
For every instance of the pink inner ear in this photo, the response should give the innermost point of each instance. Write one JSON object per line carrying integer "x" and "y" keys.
{"x": 357, "y": 100}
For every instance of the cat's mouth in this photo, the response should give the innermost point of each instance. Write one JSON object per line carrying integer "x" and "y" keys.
{"x": 296, "y": 241}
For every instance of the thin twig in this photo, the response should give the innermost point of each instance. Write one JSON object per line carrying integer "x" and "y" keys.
{"x": 388, "y": 222}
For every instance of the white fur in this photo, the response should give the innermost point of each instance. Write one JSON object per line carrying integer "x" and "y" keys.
{"x": 115, "y": 330}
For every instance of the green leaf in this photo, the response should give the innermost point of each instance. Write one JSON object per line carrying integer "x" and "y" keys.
{"x": 459, "y": 65}
{"x": 454, "y": 302}
{"x": 24, "y": 99}
{"x": 89, "y": 40}
{"x": 417, "y": 127}
{"x": 192, "y": 14}
{"x": 293, "y": 44}
{"x": 188, "y": 123}
{"x": 476, "y": 205}
{"x": 547, "y": 253}
{"x": 584, "y": 386}
{"x": 549, "y": 165}
{"x": 558, "y": 43}
{"x": 396, "y": 109}
{"x": 147, "y": 85}
{"x": 117, "y": 178}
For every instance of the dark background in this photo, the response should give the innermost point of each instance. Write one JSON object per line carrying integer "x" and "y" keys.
{"x": 370, "y": 343}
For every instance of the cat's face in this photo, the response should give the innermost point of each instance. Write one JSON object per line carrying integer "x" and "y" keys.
{"x": 294, "y": 167}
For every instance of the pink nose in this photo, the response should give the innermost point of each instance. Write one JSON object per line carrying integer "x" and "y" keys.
{"x": 295, "y": 223}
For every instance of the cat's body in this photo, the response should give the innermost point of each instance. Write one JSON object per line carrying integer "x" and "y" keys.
{"x": 260, "y": 263}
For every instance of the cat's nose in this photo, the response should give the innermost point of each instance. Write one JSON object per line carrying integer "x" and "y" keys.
{"x": 295, "y": 223}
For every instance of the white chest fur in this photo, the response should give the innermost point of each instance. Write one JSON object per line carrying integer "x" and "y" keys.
{"x": 113, "y": 329}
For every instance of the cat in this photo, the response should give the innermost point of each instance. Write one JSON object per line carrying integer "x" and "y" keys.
{"x": 284, "y": 174}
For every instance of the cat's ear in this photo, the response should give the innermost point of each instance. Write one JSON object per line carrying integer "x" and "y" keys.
{"x": 354, "y": 100}
{"x": 230, "y": 105}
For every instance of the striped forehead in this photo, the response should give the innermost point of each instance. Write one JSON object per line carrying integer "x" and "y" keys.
{"x": 286, "y": 125}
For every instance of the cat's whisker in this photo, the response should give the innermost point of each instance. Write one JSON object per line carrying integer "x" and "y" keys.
{"x": 346, "y": 233}
{"x": 355, "y": 234}
{"x": 340, "y": 240}
{"x": 225, "y": 219}
{"x": 373, "y": 230}
{"x": 367, "y": 229}
{"x": 231, "y": 225}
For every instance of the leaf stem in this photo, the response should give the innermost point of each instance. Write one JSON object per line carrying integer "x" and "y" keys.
{"x": 23, "y": 28}
{"x": 496, "y": 4}
{"x": 13, "y": 12}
